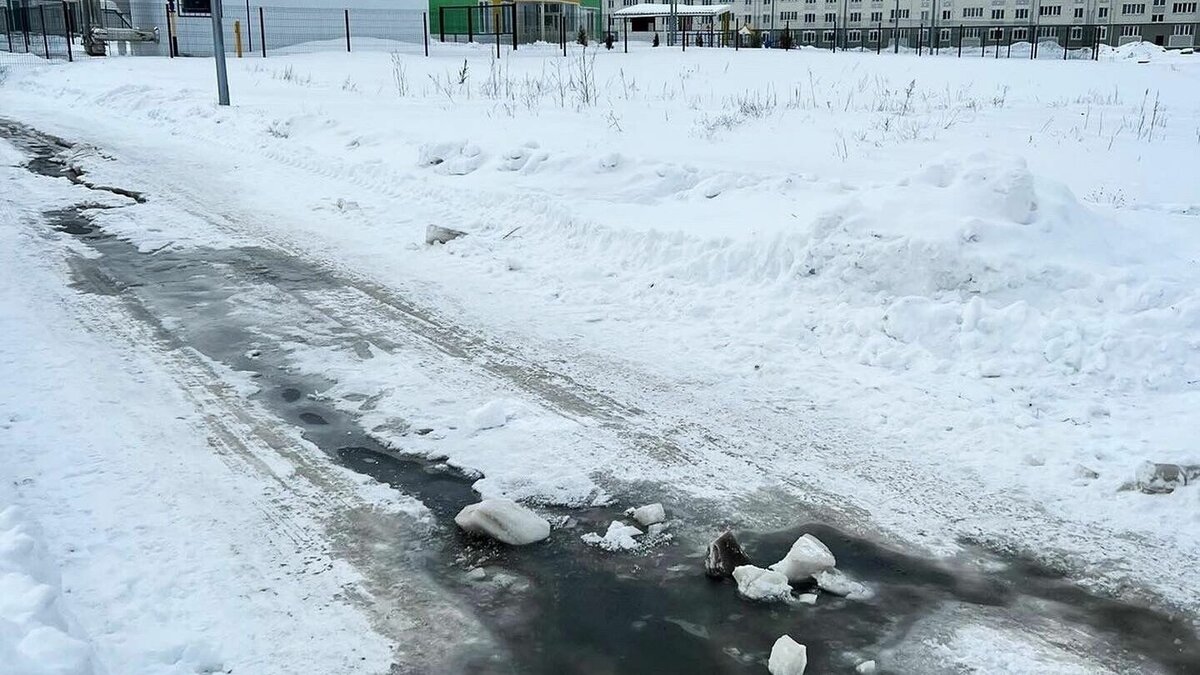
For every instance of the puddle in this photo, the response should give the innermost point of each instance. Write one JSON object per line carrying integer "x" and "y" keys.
{"x": 561, "y": 606}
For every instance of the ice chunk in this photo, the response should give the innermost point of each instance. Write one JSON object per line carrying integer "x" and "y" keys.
{"x": 657, "y": 529}
{"x": 865, "y": 668}
{"x": 488, "y": 416}
{"x": 807, "y": 599}
{"x": 836, "y": 582}
{"x": 755, "y": 583}
{"x": 648, "y": 515}
{"x": 1164, "y": 478}
{"x": 788, "y": 657}
{"x": 503, "y": 520}
{"x": 724, "y": 555}
{"x": 619, "y": 537}
{"x": 807, "y": 557}
{"x": 435, "y": 234}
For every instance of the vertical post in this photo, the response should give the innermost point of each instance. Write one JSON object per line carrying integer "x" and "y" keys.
{"x": 562, "y": 33}
{"x": 1010, "y": 39}
{"x": 878, "y": 36}
{"x": 249, "y": 29}
{"x": 513, "y": 7}
{"x": 470, "y": 25}
{"x": 170, "y": 32}
{"x": 896, "y": 28}
{"x": 8, "y": 27}
{"x": 45, "y": 38}
{"x": 496, "y": 26}
{"x": 67, "y": 30}
{"x": 625, "y": 28}
{"x": 960, "y": 36}
{"x": 834, "y": 33}
{"x": 737, "y": 39}
{"x": 347, "y": 15}
{"x": 237, "y": 37}
{"x": 425, "y": 30}
{"x": 219, "y": 54}
{"x": 442, "y": 23}
{"x": 684, "y": 39}
{"x": 262, "y": 31}
{"x": 1066, "y": 41}
{"x": 983, "y": 43}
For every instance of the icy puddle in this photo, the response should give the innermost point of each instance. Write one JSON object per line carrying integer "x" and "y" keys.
{"x": 562, "y": 606}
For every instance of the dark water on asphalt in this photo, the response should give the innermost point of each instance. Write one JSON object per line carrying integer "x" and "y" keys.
{"x": 561, "y": 606}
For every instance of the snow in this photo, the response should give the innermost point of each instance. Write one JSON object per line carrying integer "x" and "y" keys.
{"x": 917, "y": 294}
{"x": 490, "y": 415}
{"x": 649, "y": 514}
{"x": 618, "y": 537}
{"x": 788, "y": 657}
{"x": 865, "y": 668}
{"x": 755, "y": 583}
{"x": 503, "y": 520}
{"x": 806, "y": 558}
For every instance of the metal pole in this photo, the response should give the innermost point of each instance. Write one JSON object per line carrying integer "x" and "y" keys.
{"x": 442, "y": 23}
{"x": 496, "y": 22}
{"x": 983, "y": 43}
{"x": 67, "y": 26}
{"x": 249, "y": 29}
{"x": 896, "y": 28}
{"x": 262, "y": 31}
{"x": 834, "y": 34}
{"x": 425, "y": 30}
{"x": 920, "y": 37}
{"x": 470, "y": 26}
{"x": 878, "y": 36}
{"x": 347, "y": 14}
{"x": 625, "y": 28}
{"x": 45, "y": 38}
{"x": 170, "y": 33}
{"x": 513, "y": 7}
{"x": 562, "y": 33}
{"x": 8, "y": 27}
{"x": 960, "y": 34}
{"x": 219, "y": 54}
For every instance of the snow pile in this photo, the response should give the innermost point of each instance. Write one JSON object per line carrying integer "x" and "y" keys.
{"x": 503, "y": 520}
{"x": 1133, "y": 51}
{"x": 806, "y": 558}
{"x": 490, "y": 415}
{"x": 788, "y": 657}
{"x": 755, "y": 583}
{"x": 619, "y": 537}
{"x": 34, "y": 633}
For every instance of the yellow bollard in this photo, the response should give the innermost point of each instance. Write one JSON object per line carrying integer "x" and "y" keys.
{"x": 237, "y": 37}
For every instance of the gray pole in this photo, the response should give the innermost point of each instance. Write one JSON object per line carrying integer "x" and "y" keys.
{"x": 219, "y": 54}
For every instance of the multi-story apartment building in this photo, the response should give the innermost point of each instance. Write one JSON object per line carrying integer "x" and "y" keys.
{"x": 1172, "y": 23}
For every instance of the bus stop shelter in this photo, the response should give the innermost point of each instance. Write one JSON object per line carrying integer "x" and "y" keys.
{"x": 709, "y": 24}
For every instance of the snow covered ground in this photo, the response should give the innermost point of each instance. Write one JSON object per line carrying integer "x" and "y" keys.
{"x": 931, "y": 299}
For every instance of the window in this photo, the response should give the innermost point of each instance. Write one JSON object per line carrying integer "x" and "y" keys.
{"x": 1133, "y": 8}
{"x": 1102, "y": 32}
{"x": 1183, "y": 29}
{"x": 972, "y": 12}
{"x": 892, "y": 14}
{"x": 873, "y": 35}
{"x": 997, "y": 14}
{"x": 827, "y": 36}
{"x": 810, "y": 17}
{"x": 996, "y": 34}
{"x": 876, "y": 17}
{"x": 1156, "y": 18}
{"x": 945, "y": 35}
{"x": 830, "y": 17}
{"x": 766, "y": 19}
{"x": 1131, "y": 31}
{"x": 1078, "y": 12}
{"x": 1020, "y": 34}
{"x": 1160, "y": 3}
{"x": 945, "y": 15}
{"x": 1076, "y": 32}
{"x": 1050, "y": 10}
{"x": 789, "y": 16}
{"x": 924, "y": 15}
{"x": 971, "y": 32}
{"x": 808, "y": 36}
{"x": 1022, "y": 13}
{"x": 1047, "y": 32}
{"x": 1102, "y": 12}
{"x": 747, "y": 19}
{"x": 854, "y": 36}
{"x": 1183, "y": 7}
{"x": 855, "y": 17}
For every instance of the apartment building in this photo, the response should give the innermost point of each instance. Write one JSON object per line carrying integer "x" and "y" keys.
{"x": 1171, "y": 23}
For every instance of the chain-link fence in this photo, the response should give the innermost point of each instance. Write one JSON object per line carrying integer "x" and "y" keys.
{"x": 36, "y": 32}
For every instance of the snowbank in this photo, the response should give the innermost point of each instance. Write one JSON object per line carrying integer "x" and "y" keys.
{"x": 35, "y": 634}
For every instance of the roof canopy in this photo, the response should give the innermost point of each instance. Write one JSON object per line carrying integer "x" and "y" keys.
{"x": 658, "y": 9}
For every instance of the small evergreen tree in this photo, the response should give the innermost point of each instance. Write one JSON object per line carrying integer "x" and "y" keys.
{"x": 608, "y": 41}
{"x": 756, "y": 39}
{"x": 582, "y": 37}
{"x": 655, "y": 43}
{"x": 785, "y": 39}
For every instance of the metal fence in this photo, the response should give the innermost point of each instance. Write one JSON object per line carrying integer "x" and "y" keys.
{"x": 31, "y": 33}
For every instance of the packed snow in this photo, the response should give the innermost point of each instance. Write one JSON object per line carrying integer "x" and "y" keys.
{"x": 503, "y": 520}
{"x": 618, "y": 537}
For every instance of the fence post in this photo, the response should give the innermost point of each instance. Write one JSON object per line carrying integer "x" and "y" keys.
{"x": 7, "y": 26}
{"x": 496, "y": 25}
{"x": 983, "y": 43}
{"x": 625, "y": 29}
{"x": 562, "y": 34}
{"x": 347, "y": 15}
{"x": 878, "y": 37}
{"x": 237, "y": 37}
{"x": 513, "y": 7}
{"x": 249, "y": 29}
{"x": 1066, "y": 41}
{"x": 960, "y": 36}
{"x": 1010, "y": 39}
{"x": 45, "y": 38}
{"x": 67, "y": 30}
{"x": 425, "y": 30}
{"x": 470, "y": 25}
{"x": 920, "y": 35}
{"x": 834, "y": 49}
{"x": 262, "y": 31}
{"x": 684, "y": 33}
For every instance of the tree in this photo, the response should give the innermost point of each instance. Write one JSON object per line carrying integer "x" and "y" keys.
{"x": 582, "y": 37}
{"x": 785, "y": 39}
{"x": 755, "y": 39}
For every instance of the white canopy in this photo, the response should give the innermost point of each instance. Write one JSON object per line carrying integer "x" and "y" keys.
{"x": 661, "y": 9}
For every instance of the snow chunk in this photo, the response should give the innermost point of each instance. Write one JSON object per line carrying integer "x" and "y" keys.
{"x": 865, "y": 668}
{"x": 836, "y": 582}
{"x": 807, "y": 557}
{"x": 788, "y": 657}
{"x": 755, "y": 583}
{"x": 649, "y": 514}
{"x": 619, "y": 537}
{"x": 490, "y": 415}
{"x": 503, "y": 520}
